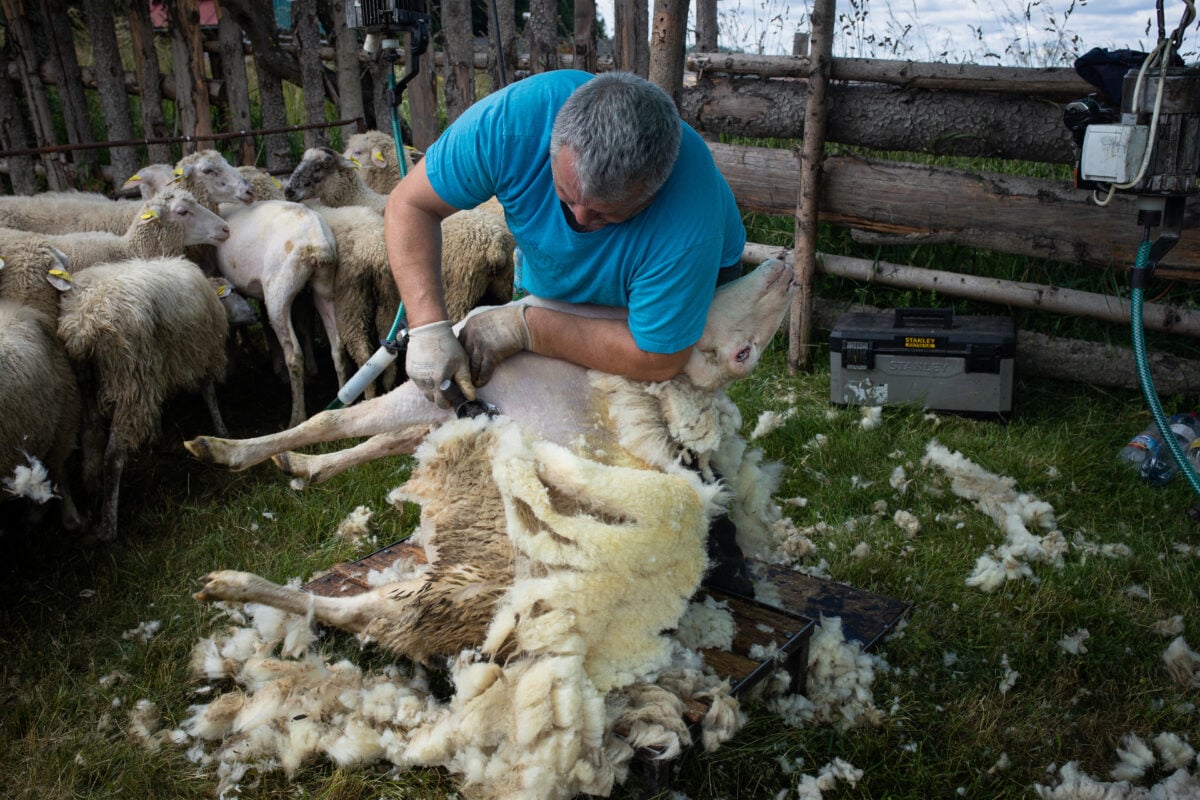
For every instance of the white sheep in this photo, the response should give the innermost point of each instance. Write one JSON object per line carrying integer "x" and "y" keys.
{"x": 265, "y": 185}
{"x": 275, "y": 249}
{"x": 164, "y": 226}
{"x": 39, "y": 406}
{"x": 151, "y": 179}
{"x": 32, "y": 272}
{"x": 375, "y": 154}
{"x": 137, "y": 333}
{"x": 327, "y": 176}
{"x": 206, "y": 174}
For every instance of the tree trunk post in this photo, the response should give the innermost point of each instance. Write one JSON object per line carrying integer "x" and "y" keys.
{"x": 585, "y": 36}
{"x": 706, "y": 26}
{"x": 542, "y": 33}
{"x": 67, "y": 79}
{"x": 349, "y": 83}
{"x": 14, "y": 135}
{"x": 19, "y": 33}
{"x": 274, "y": 116}
{"x": 423, "y": 106}
{"x": 312, "y": 77}
{"x": 237, "y": 91}
{"x": 145, "y": 58}
{"x": 458, "y": 49}
{"x": 631, "y": 51}
{"x": 187, "y": 55}
{"x": 811, "y": 156}
{"x": 667, "y": 46}
{"x": 110, "y": 83}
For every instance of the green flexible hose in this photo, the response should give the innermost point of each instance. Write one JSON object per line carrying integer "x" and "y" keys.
{"x": 390, "y": 342}
{"x": 1144, "y": 378}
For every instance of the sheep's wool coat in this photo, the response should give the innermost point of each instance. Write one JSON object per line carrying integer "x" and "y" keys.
{"x": 603, "y": 561}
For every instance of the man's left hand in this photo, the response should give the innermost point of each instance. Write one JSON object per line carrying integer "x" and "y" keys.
{"x": 491, "y": 336}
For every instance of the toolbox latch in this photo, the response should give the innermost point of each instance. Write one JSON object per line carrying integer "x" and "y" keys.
{"x": 857, "y": 355}
{"x": 983, "y": 358}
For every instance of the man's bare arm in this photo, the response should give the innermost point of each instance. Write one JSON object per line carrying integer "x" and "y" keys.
{"x": 603, "y": 344}
{"x": 413, "y": 233}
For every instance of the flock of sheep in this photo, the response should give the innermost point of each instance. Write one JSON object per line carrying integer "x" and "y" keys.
{"x": 110, "y": 307}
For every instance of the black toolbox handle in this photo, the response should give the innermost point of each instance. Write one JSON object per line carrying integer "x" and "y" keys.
{"x": 924, "y": 317}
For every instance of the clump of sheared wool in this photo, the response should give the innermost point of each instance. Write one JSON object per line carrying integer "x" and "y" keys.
{"x": 769, "y": 421}
{"x": 1074, "y": 643}
{"x": 907, "y": 522}
{"x": 144, "y": 632}
{"x": 356, "y": 527}
{"x": 1009, "y": 680}
{"x": 872, "y": 418}
{"x": 860, "y": 551}
{"x": 1171, "y": 626}
{"x": 899, "y": 479}
{"x": 1134, "y": 757}
{"x": 839, "y": 680}
{"x": 1183, "y": 663}
{"x": 1174, "y": 750}
{"x": 30, "y": 481}
{"x": 706, "y": 624}
{"x": 813, "y": 787}
{"x": 1013, "y": 512}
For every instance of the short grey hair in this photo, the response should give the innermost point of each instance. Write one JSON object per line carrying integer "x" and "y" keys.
{"x": 624, "y": 132}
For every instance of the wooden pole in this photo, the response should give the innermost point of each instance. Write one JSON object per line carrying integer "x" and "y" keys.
{"x": 17, "y": 16}
{"x": 812, "y": 153}
{"x": 667, "y": 46}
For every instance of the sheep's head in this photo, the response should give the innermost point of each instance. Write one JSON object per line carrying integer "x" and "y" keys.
{"x": 371, "y": 149}
{"x": 209, "y": 173}
{"x": 178, "y": 207}
{"x": 314, "y": 169}
{"x": 151, "y": 179}
{"x": 743, "y": 317}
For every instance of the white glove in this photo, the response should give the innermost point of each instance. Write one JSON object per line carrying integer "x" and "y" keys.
{"x": 492, "y": 336}
{"x": 435, "y": 355}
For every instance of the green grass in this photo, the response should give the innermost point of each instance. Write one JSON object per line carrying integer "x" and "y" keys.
{"x": 66, "y": 605}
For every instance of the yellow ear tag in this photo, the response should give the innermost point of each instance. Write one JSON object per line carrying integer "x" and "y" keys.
{"x": 377, "y": 157}
{"x": 60, "y": 279}
{"x": 178, "y": 172}
{"x": 278, "y": 185}
{"x": 222, "y": 290}
{"x": 149, "y": 214}
{"x": 357, "y": 164}
{"x": 134, "y": 178}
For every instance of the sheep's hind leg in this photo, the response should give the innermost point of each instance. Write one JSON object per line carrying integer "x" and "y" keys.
{"x": 313, "y": 469}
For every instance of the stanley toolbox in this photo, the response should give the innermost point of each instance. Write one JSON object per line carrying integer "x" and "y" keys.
{"x": 923, "y": 356}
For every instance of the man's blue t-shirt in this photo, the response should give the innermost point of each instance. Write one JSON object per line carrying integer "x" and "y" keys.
{"x": 661, "y": 264}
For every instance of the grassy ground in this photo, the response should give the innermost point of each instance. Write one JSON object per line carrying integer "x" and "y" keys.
{"x": 74, "y": 669}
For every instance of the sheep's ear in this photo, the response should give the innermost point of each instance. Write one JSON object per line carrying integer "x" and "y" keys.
{"x": 131, "y": 180}
{"x": 378, "y": 158}
{"x": 222, "y": 288}
{"x": 149, "y": 215}
{"x": 278, "y": 185}
{"x": 182, "y": 172}
{"x": 1, "y": 262}
{"x": 60, "y": 279}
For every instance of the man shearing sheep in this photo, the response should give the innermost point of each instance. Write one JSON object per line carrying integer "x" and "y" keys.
{"x": 612, "y": 200}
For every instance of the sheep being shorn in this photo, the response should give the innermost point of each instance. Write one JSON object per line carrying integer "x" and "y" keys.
{"x": 39, "y": 403}
{"x": 138, "y": 332}
{"x": 375, "y": 153}
{"x": 659, "y": 423}
{"x": 562, "y": 544}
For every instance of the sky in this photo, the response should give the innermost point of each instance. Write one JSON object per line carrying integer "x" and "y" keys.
{"x": 1032, "y": 33}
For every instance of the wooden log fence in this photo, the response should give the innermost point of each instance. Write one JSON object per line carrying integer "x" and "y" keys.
{"x": 876, "y": 105}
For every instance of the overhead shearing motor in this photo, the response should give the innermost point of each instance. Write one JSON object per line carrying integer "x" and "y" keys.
{"x": 1152, "y": 151}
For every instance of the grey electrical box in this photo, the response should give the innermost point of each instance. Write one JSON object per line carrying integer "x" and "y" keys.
{"x": 926, "y": 357}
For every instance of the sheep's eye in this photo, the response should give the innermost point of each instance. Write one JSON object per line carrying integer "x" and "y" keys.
{"x": 743, "y": 354}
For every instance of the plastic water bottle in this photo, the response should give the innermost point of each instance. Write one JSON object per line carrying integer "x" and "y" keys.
{"x": 1161, "y": 466}
{"x": 1141, "y": 447}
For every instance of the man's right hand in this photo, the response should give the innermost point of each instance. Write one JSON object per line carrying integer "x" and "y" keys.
{"x": 435, "y": 355}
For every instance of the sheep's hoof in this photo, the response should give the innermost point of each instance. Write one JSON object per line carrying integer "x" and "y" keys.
{"x": 198, "y": 447}
{"x": 219, "y": 585}
{"x": 283, "y": 462}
